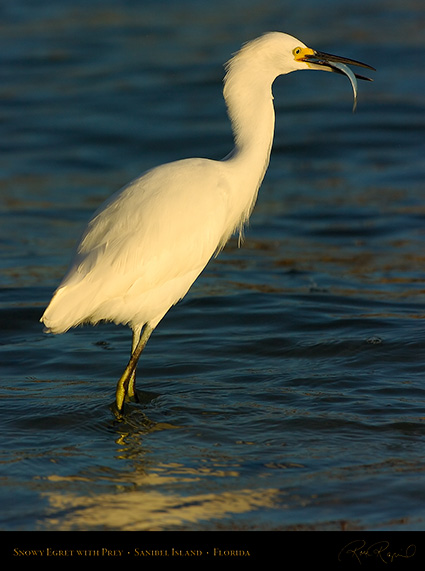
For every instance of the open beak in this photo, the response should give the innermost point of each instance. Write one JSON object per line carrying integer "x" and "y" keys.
{"x": 336, "y": 64}
{"x": 325, "y": 61}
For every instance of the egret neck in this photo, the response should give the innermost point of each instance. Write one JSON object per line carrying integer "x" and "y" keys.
{"x": 249, "y": 100}
{"x": 250, "y": 107}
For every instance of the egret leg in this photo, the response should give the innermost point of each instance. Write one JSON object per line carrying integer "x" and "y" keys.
{"x": 130, "y": 370}
{"x": 131, "y": 390}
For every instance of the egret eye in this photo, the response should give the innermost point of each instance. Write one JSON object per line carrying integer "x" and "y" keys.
{"x": 296, "y": 51}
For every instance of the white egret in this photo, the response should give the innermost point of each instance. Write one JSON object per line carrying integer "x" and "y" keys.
{"x": 145, "y": 246}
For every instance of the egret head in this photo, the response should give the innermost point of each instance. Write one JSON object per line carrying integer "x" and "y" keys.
{"x": 276, "y": 53}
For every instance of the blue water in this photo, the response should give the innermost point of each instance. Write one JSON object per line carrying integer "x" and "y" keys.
{"x": 286, "y": 391}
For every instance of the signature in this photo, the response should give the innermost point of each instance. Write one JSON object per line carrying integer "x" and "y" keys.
{"x": 360, "y": 551}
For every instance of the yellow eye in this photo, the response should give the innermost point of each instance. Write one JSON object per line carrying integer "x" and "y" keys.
{"x": 296, "y": 51}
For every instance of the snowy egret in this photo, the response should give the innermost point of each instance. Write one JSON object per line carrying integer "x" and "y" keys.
{"x": 145, "y": 246}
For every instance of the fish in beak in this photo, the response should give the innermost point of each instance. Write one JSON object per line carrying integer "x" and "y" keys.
{"x": 336, "y": 64}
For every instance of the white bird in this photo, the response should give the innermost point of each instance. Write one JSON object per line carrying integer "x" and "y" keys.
{"x": 145, "y": 246}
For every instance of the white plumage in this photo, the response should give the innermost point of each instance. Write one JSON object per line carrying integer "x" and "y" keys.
{"x": 143, "y": 249}
{"x": 146, "y": 245}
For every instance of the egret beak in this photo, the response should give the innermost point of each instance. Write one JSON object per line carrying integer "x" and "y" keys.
{"x": 336, "y": 64}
